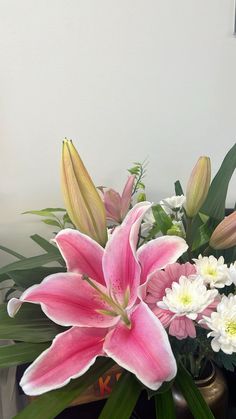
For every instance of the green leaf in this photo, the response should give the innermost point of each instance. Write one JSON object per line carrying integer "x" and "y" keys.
{"x": 123, "y": 398}
{"x": 12, "y": 252}
{"x": 203, "y": 234}
{"x": 192, "y": 395}
{"x": 165, "y": 405}
{"x": 45, "y": 212}
{"x": 140, "y": 185}
{"x": 214, "y": 205}
{"x": 28, "y": 277}
{"x": 178, "y": 188}
{"x": 29, "y": 325}
{"x": 45, "y": 244}
{"x": 3, "y": 277}
{"x": 162, "y": 219}
{"x": 163, "y": 389}
{"x": 226, "y": 361}
{"x": 50, "y": 404}
{"x": 20, "y": 353}
{"x": 66, "y": 219}
{"x": 30, "y": 263}
{"x": 52, "y": 222}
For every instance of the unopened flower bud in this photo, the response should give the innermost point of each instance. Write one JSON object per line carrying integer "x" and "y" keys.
{"x": 83, "y": 203}
{"x": 224, "y": 236}
{"x": 198, "y": 186}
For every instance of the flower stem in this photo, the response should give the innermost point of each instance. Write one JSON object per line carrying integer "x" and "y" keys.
{"x": 189, "y": 236}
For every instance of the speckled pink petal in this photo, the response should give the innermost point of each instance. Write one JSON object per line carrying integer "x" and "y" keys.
{"x": 120, "y": 266}
{"x": 68, "y": 300}
{"x": 143, "y": 349}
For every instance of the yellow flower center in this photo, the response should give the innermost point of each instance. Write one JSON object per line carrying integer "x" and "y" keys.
{"x": 211, "y": 271}
{"x": 230, "y": 327}
{"x": 185, "y": 299}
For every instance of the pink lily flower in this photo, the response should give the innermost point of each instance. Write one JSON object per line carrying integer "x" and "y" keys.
{"x": 99, "y": 298}
{"x": 117, "y": 205}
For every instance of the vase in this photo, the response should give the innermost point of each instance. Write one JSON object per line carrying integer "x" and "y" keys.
{"x": 214, "y": 390}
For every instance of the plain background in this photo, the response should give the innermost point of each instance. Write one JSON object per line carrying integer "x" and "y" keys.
{"x": 126, "y": 80}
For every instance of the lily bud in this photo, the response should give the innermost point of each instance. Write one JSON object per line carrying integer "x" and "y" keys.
{"x": 198, "y": 186}
{"x": 224, "y": 236}
{"x": 82, "y": 201}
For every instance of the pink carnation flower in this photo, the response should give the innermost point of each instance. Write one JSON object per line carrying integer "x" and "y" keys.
{"x": 178, "y": 298}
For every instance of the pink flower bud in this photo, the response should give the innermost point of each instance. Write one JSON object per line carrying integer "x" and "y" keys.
{"x": 224, "y": 236}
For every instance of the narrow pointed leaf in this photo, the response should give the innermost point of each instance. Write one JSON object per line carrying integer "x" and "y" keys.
{"x": 3, "y": 277}
{"x": 20, "y": 353}
{"x": 45, "y": 212}
{"x": 26, "y": 277}
{"x": 192, "y": 395}
{"x": 52, "y": 222}
{"x": 50, "y": 404}
{"x": 214, "y": 205}
{"x": 45, "y": 244}
{"x": 165, "y": 405}
{"x": 29, "y": 325}
{"x": 12, "y": 252}
{"x": 178, "y": 188}
{"x": 123, "y": 398}
{"x": 29, "y": 263}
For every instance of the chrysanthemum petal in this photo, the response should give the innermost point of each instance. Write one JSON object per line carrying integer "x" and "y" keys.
{"x": 182, "y": 327}
{"x": 143, "y": 349}
{"x": 70, "y": 355}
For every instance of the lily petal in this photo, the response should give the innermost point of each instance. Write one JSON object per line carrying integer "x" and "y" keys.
{"x": 126, "y": 195}
{"x": 112, "y": 202}
{"x": 120, "y": 266}
{"x": 70, "y": 355}
{"x": 144, "y": 349}
{"x": 157, "y": 253}
{"x": 68, "y": 300}
{"x": 81, "y": 253}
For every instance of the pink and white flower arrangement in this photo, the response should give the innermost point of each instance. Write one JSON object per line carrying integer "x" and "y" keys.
{"x": 161, "y": 280}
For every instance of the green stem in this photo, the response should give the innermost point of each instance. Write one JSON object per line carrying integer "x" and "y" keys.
{"x": 206, "y": 251}
{"x": 189, "y": 236}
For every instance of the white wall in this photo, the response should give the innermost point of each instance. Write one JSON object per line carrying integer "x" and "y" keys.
{"x": 126, "y": 79}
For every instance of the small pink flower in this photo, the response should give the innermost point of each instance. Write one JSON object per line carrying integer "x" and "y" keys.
{"x": 117, "y": 205}
{"x": 178, "y": 297}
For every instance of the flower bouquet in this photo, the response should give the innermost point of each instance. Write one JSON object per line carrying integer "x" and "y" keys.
{"x": 145, "y": 288}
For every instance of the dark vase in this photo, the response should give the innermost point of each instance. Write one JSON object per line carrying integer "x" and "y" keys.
{"x": 215, "y": 392}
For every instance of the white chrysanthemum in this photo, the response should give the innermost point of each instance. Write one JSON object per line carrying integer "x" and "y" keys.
{"x": 174, "y": 203}
{"x": 223, "y": 325}
{"x": 213, "y": 271}
{"x": 188, "y": 297}
{"x": 148, "y": 222}
{"x": 232, "y": 272}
